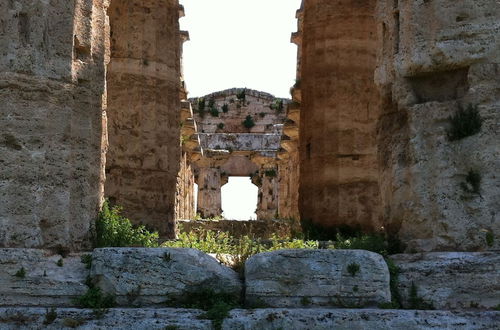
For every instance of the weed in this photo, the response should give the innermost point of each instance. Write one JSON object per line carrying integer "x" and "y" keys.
{"x": 417, "y": 302}
{"x": 393, "y": 282}
{"x": 220, "y": 126}
{"x": 50, "y": 316}
{"x": 241, "y": 94}
{"x": 21, "y": 273}
{"x": 472, "y": 182}
{"x": 353, "y": 268}
{"x": 167, "y": 257}
{"x": 225, "y": 107}
{"x": 262, "y": 114}
{"x": 214, "y": 111}
{"x": 94, "y": 298}
{"x": 355, "y": 288}
{"x": 114, "y": 230}
{"x": 271, "y": 173}
{"x": 201, "y": 107}
{"x": 465, "y": 123}
{"x": 60, "y": 262}
{"x": 248, "y": 122}
{"x": 490, "y": 238}
{"x": 277, "y": 105}
{"x": 211, "y": 103}
{"x": 87, "y": 260}
{"x": 305, "y": 301}
{"x": 72, "y": 323}
{"x": 474, "y": 304}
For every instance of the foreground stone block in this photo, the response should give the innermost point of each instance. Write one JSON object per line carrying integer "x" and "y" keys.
{"x": 44, "y": 282}
{"x": 145, "y": 276}
{"x": 451, "y": 280}
{"x": 137, "y": 319}
{"x": 348, "y": 319}
{"x": 300, "y": 278}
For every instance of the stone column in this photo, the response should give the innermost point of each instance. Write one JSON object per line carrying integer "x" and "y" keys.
{"x": 144, "y": 111}
{"x": 338, "y": 118}
{"x": 267, "y": 181}
{"x": 52, "y": 87}
{"x": 209, "y": 192}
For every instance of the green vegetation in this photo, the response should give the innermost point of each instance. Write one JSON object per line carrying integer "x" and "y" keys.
{"x": 417, "y": 302}
{"x": 271, "y": 173}
{"x": 60, "y": 262}
{"x": 214, "y": 112}
{"x": 114, "y": 230}
{"x": 472, "y": 182}
{"x": 353, "y": 269}
{"x": 225, "y": 107}
{"x": 465, "y": 123}
{"x": 211, "y": 102}
{"x": 490, "y": 238}
{"x": 241, "y": 94}
{"x": 87, "y": 260}
{"x": 21, "y": 273}
{"x": 220, "y": 126}
{"x": 248, "y": 122}
{"x": 305, "y": 301}
{"x": 50, "y": 316}
{"x": 277, "y": 105}
{"x": 216, "y": 305}
{"x": 95, "y": 299}
{"x": 201, "y": 107}
{"x": 262, "y": 114}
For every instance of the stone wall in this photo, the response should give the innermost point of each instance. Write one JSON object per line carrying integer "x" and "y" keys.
{"x": 52, "y": 82}
{"x": 338, "y": 112}
{"x": 435, "y": 58}
{"x": 144, "y": 111}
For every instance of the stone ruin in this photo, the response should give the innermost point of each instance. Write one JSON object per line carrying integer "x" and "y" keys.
{"x": 93, "y": 104}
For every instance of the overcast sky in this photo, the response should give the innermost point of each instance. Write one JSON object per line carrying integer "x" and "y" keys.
{"x": 239, "y": 43}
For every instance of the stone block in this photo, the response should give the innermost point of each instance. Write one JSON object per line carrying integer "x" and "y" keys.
{"x": 451, "y": 280}
{"x": 45, "y": 283}
{"x": 301, "y": 278}
{"x": 152, "y": 276}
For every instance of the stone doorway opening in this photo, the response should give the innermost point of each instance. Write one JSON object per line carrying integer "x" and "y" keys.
{"x": 239, "y": 199}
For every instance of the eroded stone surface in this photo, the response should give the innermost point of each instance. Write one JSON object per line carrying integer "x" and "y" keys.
{"x": 45, "y": 283}
{"x": 140, "y": 319}
{"x": 436, "y": 58}
{"x": 348, "y": 319}
{"x": 143, "y": 276}
{"x": 52, "y": 81}
{"x": 299, "y": 278}
{"x": 451, "y": 280}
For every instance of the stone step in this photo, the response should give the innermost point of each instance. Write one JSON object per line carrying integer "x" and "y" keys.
{"x": 240, "y": 319}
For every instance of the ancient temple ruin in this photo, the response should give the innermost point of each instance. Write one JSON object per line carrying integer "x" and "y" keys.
{"x": 93, "y": 105}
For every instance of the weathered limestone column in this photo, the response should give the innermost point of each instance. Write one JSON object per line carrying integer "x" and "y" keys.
{"x": 267, "y": 181}
{"x": 144, "y": 111}
{"x": 52, "y": 87}
{"x": 209, "y": 192}
{"x": 436, "y": 58}
{"x": 339, "y": 110}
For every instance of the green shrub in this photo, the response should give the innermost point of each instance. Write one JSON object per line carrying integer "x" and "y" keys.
{"x": 472, "y": 182}
{"x": 114, "y": 230}
{"x": 225, "y": 108}
{"x": 248, "y": 122}
{"x": 271, "y": 173}
{"x": 353, "y": 269}
{"x": 262, "y": 114}
{"x": 220, "y": 126}
{"x": 211, "y": 103}
{"x": 465, "y": 123}
{"x": 87, "y": 260}
{"x": 201, "y": 107}
{"x": 94, "y": 298}
{"x": 490, "y": 238}
{"x": 277, "y": 105}
{"x": 241, "y": 94}
{"x": 21, "y": 273}
{"x": 60, "y": 262}
{"x": 214, "y": 112}
{"x": 50, "y": 316}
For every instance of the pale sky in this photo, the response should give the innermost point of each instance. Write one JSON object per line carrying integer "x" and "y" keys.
{"x": 239, "y": 43}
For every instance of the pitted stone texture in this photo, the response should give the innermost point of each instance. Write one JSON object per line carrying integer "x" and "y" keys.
{"x": 45, "y": 283}
{"x": 300, "y": 278}
{"x": 150, "y": 276}
{"x": 359, "y": 319}
{"x": 85, "y": 319}
{"x": 451, "y": 280}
